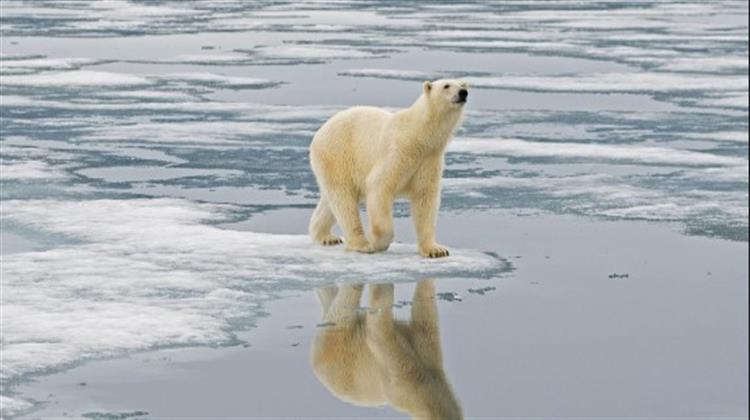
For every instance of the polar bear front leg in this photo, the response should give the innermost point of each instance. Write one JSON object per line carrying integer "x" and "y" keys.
{"x": 425, "y": 201}
{"x": 380, "y": 218}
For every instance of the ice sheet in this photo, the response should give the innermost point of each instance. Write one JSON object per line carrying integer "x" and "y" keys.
{"x": 157, "y": 273}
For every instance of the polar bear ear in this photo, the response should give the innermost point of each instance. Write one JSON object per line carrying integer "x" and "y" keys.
{"x": 427, "y": 86}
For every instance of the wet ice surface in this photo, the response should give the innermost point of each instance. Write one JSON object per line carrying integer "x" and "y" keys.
{"x": 197, "y": 117}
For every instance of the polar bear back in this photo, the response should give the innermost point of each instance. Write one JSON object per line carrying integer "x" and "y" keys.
{"x": 350, "y": 143}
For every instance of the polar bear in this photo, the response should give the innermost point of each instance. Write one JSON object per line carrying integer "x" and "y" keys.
{"x": 372, "y": 155}
{"x": 371, "y": 359}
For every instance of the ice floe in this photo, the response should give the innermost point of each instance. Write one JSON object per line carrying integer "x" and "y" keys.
{"x": 11, "y": 406}
{"x": 719, "y": 213}
{"x": 302, "y": 52}
{"x": 11, "y": 65}
{"x": 76, "y": 78}
{"x": 155, "y": 273}
{"x": 636, "y": 154}
{"x": 212, "y": 79}
{"x": 731, "y": 101}
{"x": 614, "y": 82}
{"x": 146, "y": 173}
{"x": 79, "y": 78}
{"x": 28, "y": 170}
{"x": 639, "y": 82}
{"x": 207, "y": 132}
{"x": 707, "y": 64}
{"x": 728, "y": 136}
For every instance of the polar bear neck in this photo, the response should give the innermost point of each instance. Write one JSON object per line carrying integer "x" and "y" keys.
{"x": 436, "y": 124}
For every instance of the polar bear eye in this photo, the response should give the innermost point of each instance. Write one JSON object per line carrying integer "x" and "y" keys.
{"x": 446, "y": 86}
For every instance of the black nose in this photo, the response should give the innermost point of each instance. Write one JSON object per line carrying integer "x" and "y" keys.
{"x": 463, "y": 93}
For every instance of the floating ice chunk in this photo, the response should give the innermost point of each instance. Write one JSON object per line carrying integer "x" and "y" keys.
{"x": 640, "y": 82}
{"x": 519, "y": 44}
{"x": 449, "y": 296}
{"x": 258, "y": 111}
{"x": 601, "y": 22}
{"x": 19, "y": 101}
{"x": 24, "y": 10}
{"x": 302, "y": 52}
{"x": 730, "y": 174}
{"x": 153, "y": 273}
{"x": 76, "y": 78}
{"x": 213, "y": 132}
{"x": 608, "y": 196}
{"x": 388, "y": 74}
{"x": 28, "y": 170}
{"x": 727, "y": 136}
{"x": 116, "y": 415}
{"x": 682, "y": 209}
{"x": 707, "y": 64}
{"x": 99, "y": 220}
{"x": 126, "y": 10}
{"x": 152, "y": 173}
{"x": 226, "y": 58}
{"x": 626, "y": 13}
{"x": 219, "y": 80}
{"x": 559, "y": 186}
{"x": 730, "y": 101}
{"x": 10, "y": 64}
{"x": 263, "y": 54}
{"x": 157, "y": 95}
{"x": 12, "y": 407}
{"x": 482, "y": 290}
{"x": 111, "y": 8}
{"x": 637, "y": 154}
{"x": 614, "y": 82}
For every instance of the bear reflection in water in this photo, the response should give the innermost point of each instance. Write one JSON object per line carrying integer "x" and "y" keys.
{"x": 368, "y": 358}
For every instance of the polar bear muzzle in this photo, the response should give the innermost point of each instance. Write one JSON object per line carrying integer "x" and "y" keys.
{"x": 462, "y": 95}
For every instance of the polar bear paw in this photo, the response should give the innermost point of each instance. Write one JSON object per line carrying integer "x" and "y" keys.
{"x": 360, "y": 246}
{"x": 434, "y": 251}
{"x": 330, "y": 240}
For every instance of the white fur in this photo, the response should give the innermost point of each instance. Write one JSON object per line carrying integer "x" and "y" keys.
{"x": 371, "y": 359}
{"x": 372, "y": 155}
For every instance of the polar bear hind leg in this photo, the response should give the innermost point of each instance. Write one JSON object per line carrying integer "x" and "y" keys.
{"x": 345, "y": 208}
{"x": 321, "y": 223}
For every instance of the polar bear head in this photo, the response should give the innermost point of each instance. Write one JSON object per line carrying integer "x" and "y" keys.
{"x": 446, "y": 93}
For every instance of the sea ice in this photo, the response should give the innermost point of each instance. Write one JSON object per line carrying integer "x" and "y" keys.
{"x": 154, "y": 273}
